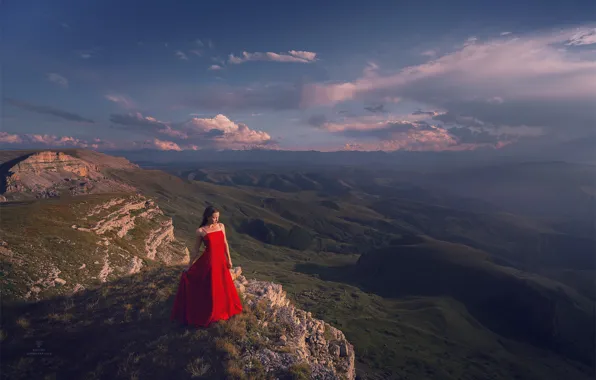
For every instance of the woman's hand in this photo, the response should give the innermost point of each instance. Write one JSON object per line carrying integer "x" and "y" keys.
{"x": 229, "y": 264}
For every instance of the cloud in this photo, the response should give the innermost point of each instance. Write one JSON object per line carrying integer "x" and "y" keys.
{"x": 222, "y": 132}
{"x": 583, "y": 37}
{"x": 469, "y": 129}
{"x": 165, "y": 145}
{"x": 58, "y": 79}
{"x": 505, "y": 33}
{"x": 376, "y": 109}
{"x": 181, "y": 55}
{"x": 46, "y": 110}
{"x": 136, "y": 121}
{"x": 121, "y": 100}
{"x": 429, "y": 53}
{"x": 46, "y": 140}
{"x": 197, "y": 53}
{"x": 518, "y": 81}
{"x": 218, "y": 131}
{"x": 215, "y": 67}
{"x": 378, "y": 133}
{"x": 7, "y": 138}
{"x": 429, "y": 113}
{"x": 293, "y": 56}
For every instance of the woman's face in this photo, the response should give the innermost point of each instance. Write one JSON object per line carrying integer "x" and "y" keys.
{"x": 214, "y": 218}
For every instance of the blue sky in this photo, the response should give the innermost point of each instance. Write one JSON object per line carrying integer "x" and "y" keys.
{"x": 411, "y": 75}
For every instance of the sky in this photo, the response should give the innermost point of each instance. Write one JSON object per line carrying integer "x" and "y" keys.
{"x": 328, "y": 76}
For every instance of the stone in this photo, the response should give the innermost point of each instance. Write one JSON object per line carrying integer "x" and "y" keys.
{"x": 301, "y": 334}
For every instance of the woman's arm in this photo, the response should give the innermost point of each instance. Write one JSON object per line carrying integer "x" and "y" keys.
{"x": 223, "y": 228}
{"x": 196, "y": 251}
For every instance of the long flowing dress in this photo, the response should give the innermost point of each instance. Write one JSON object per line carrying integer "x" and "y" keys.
{"x": 206, "y": 292}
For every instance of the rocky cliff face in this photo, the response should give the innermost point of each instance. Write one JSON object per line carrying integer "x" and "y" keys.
{"x": 302, "y": 338}
{"x": 48, "y": 174}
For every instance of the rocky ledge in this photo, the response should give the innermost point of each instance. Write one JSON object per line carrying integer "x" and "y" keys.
{"x": 304, "y": 339}
{"x": 49, "y": 174}
{"x": 119, "y": 216}
{"x": 114, "y": 236}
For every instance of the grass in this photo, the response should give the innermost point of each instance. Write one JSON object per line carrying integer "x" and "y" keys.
{"x": 122, "y": 329}
{"x": 198, "y": 368}
{"x": 40, "y": 234}
{"x": 300, "y": 371}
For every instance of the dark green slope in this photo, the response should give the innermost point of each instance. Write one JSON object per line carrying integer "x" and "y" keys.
{"x": 510, "y": 302}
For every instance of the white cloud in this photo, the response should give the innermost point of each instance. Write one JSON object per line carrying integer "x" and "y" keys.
{"x": 215, "y": 67}
{"x": 293, "y": 56}
{"x": 181, "y": 55}
{"x": 518, "y": 81}
{"x": 58, "y": 79}
{"x": 121, "y": 100}
{"x": 223, "y": 132}
{"x": 583, "y": 37}
{"x": 218, "y": 131}
{"x": 8, "y": 138}
{"x": 165, "y": 145}
{"x": 39, "y": 140}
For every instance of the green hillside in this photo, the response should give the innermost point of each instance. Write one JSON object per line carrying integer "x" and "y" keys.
{"x": 511, "y": 303}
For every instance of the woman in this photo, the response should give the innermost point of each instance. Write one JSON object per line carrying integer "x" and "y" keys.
{"x": 206, "y": 292}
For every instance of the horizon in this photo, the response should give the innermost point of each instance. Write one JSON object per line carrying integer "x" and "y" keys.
{"x": 517, "y": 78}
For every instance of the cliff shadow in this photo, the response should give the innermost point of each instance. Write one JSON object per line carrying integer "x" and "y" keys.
{"x": 5, "y": 169}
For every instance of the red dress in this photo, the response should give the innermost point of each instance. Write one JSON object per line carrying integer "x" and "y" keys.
{"x": 206, "y": 292}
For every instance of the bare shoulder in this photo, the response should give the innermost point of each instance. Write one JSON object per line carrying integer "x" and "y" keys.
{"x": 221, "y": 225}
{"x": 200, "y": 232}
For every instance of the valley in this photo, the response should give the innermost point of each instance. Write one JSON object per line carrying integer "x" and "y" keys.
{"x": 425, "y": 282}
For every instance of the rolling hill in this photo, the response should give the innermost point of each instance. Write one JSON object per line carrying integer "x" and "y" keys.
{"x": 323, "y": 236}
{"x": 509, "y": 302}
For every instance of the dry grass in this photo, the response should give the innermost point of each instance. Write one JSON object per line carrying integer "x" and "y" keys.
{"x": 235, "y": 328}
{"x": 226, "y": 347}
{"x": 198, "y": 367}
{"x": 23, "y": 322}
{"x": 233, "y": 371}
{"x": 299, "y": 371}
{"x": 61, "y": 317}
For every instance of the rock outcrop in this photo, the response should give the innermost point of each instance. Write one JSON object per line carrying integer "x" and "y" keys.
{"x": 113, "y": 236}
{"x": 304, "y": 338}
{"x": 121, "y": 215}
{"x": 49, "y": 174}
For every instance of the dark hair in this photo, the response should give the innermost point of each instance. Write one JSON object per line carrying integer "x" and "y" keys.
{"x": 210, "y": 210}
